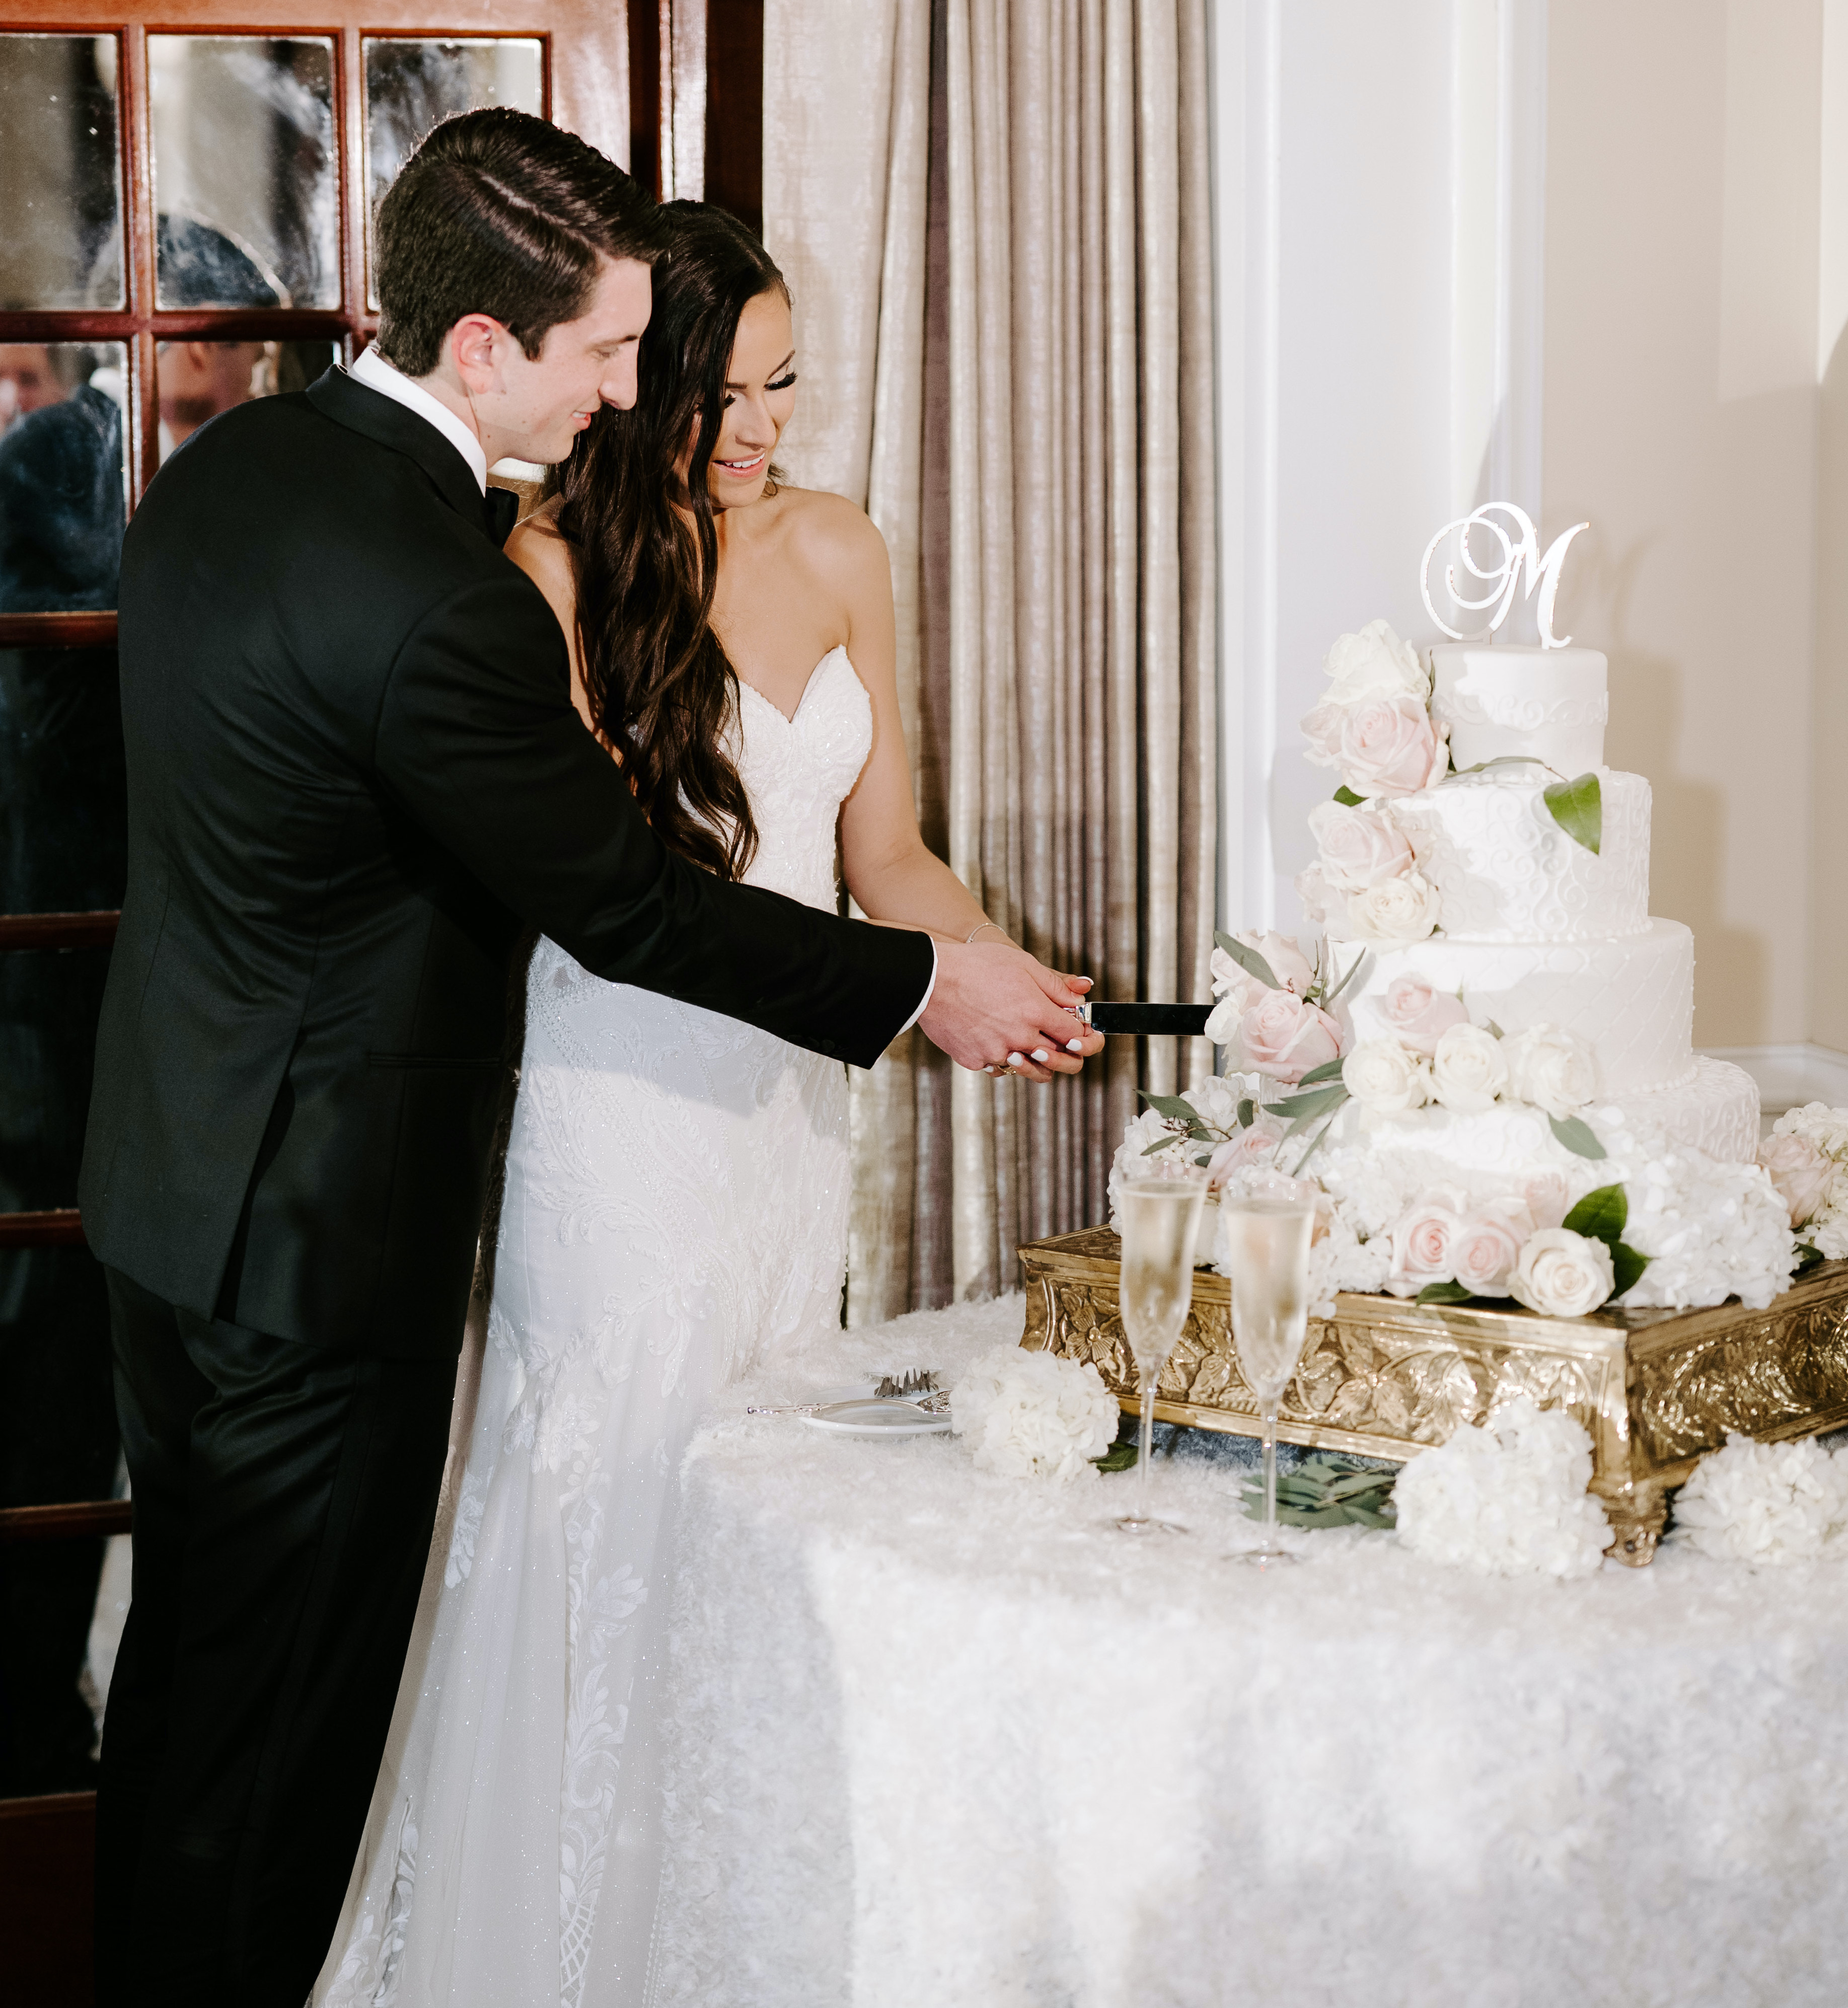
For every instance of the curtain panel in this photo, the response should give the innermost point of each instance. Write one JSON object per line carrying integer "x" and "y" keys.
{"x": 992, "y": 216}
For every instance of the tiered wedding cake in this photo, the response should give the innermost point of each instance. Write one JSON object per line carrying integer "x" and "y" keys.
{"x": 1485, "y": 1064}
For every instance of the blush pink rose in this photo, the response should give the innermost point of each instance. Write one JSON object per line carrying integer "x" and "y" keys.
{"x": 1549, "y": 1199}
{"x": 1424, "y": 1239}
{"x": 1802, "y": 1173}
{"x": 1389, "y": 747}
{"x": 1360, "y": 847}
{"x": 1257, "y": 1145}
{"x": 1484, "y": 1249}
{"x": 1418, "y": 1015}
{"x": 1282, "y": 1036}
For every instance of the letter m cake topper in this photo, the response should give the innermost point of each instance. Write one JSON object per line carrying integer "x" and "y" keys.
{"x": 1519, "y": 558}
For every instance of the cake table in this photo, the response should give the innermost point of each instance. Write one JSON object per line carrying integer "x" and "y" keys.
{"x": 940, "y": 1738}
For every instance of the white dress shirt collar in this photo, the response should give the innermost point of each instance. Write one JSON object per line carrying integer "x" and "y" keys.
{"x": 376, "y": 374}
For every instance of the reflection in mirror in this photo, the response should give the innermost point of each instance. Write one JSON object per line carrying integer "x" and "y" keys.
{"x": 413, "y": 85}
{"x": 196, "y": 380}
{"x": 244, "y": 171}
{"x": 60, "y": 240}
{"x": 62, "y": 489}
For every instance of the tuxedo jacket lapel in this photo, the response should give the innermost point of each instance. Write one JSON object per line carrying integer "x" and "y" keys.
{"x": 366, "y": 411}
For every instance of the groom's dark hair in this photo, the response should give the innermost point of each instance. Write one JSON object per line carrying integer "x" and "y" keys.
{"x": 502, "y": 214}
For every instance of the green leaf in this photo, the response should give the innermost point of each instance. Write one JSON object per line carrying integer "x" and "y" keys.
{"x": 1171, "y": 1106}
{"x": 1811, "y": 1256}
{"x": 1495, "y": 1030}
{"x": 1316, "y": 1102}
{"x": 1577, "y": 808}
{"x": 1627, "y": 1265}
{"x": 1119, "y": 1456}
{"x": 1247, "y": 1113}
{"x": 1248, "y": 960}
{"x": 1354, "y": 969}
{"x": 1163, "y": 1144}
{"x": 1348, "y": 798}
{"x": 1443, "y": 1293}
{"x": 1328, "y": 1070}
{"x": 1577, "y": 1136}
{"x": 1601, "y": 1215}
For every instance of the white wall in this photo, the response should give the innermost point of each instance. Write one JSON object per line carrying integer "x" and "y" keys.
{"x": 1566, "y": 252}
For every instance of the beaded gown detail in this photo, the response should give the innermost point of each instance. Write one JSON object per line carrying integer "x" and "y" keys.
{"x": 675, "y": 1214}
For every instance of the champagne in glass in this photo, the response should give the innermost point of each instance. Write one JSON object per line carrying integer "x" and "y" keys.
{"x": 1267, "y": 1243}
{"x": 1161, "y": 1220}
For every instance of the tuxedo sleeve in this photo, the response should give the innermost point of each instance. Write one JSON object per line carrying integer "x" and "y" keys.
{"x": 477, "y": 740}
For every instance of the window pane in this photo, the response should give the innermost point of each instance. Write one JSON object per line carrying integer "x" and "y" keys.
{"x": 244, "y": 171}
{"x": 411, "y": 86}
{"x": 61, "y": 496}
{"x": 62, "y": 245}
{"x": 196, "y": 380}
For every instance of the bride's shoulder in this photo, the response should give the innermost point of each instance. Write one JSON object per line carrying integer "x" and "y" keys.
{"x": 828, "y": 533}
{"x": 542, "y": 550}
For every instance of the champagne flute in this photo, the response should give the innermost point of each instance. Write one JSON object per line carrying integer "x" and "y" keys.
{"x": 1268, "y": 1242}
{"x": 1161, "y": 1218}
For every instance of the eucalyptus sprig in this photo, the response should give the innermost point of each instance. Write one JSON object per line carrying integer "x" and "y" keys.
{"x": 1328, "y": 1490}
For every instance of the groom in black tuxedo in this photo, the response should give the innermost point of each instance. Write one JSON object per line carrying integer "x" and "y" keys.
{"x": 355, "y": 775}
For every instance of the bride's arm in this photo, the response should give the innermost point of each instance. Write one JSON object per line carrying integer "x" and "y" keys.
{"x": 888, "y": 870}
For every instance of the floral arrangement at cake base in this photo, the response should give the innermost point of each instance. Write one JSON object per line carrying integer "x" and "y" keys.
{"x": 1509, "y": 1499}
{"x": 1764, "y": 1503}
{"x": 1032, "y": 1414}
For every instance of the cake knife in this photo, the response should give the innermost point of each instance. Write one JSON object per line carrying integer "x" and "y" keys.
{"x": 1186, "y": 1021}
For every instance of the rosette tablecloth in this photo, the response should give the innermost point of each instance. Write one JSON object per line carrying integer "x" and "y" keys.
{"x": 942, "y": 1739}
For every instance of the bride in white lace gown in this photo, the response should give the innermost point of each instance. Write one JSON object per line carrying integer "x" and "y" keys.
{"x": 675, "y": 1209}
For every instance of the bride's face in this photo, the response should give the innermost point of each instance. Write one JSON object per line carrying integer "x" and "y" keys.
{"x": 760, "y": 394}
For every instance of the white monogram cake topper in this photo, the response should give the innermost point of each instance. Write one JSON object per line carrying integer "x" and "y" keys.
{"x": 1519, "y": 555}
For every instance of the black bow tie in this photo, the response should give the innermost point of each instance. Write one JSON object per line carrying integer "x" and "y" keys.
{"x": 500, "y": 511}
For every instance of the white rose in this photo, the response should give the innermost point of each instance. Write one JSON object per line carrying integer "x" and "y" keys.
{"x": 1395, "y": 913}
{"x": 1360, "y": 847}
{"x": 1486, "y": 1246}
{"x": 1375, "y": 663}
{"x": 1553, "y": 1069}
{"x": 1562, "y": 1274}
{"x": 1383, "y": 1077}
{"x": 1467, "y": 1070}
{"x": 1423, "y": 1242}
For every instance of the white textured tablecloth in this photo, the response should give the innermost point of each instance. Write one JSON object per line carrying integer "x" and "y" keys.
{"x": 942, "y": 1739}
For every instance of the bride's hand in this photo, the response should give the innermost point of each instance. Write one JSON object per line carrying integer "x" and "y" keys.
{"x": 998, "y": 1008}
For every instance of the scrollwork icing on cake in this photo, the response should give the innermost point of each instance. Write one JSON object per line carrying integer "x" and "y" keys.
{"x": 1527, "y": 714}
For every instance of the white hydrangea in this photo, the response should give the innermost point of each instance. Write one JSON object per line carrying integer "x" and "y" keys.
{"x": 1827, "y": 1230}
{"x": 1033, "y": 1415}
{"x": 1506, "y": 1500}
{"x": 1133, "y": 1160}
{"x": 1216, "y": 1099}
{"x": 1712, "y": 1230}
{"x": 1758, "y": 1502}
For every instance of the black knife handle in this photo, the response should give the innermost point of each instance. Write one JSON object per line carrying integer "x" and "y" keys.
{"x": 1186, "y": 1021}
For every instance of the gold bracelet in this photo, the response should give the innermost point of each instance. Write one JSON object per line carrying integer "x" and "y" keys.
{"x": 976, "y": 929}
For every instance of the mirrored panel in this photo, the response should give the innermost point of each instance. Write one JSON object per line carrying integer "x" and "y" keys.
{"x": 62, "y": 494}
{"x": 413, "y": 85}
{"x": 245, "y": 190}
{"x": 61, "y": 243}
{"x": 196, "y": 380}
{"x": 63, "y": 803}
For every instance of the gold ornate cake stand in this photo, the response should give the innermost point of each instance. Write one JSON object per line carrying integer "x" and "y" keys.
{"x": 1387, "y": 1378}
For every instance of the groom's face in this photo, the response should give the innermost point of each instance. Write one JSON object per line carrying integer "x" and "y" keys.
{"x": 545, "y": 402}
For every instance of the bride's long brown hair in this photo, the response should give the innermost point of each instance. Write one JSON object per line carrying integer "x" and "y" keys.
{"x": 638, "y": 515}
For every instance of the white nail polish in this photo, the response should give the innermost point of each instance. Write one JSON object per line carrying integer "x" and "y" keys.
{"x": 1074, "y": 1045}
{"x": 1016, "y": 1059}
{"x": 1040, "y": 1055}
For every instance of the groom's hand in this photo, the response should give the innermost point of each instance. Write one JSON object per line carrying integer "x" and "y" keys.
{"x": 996, "y": 1008}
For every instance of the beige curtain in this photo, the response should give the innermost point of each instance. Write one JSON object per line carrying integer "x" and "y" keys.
{"x": 992, "y": 216}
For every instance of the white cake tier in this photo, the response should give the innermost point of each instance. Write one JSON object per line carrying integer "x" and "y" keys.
{"x": 1507, "y": 872}
{"x": 1551, "y": 703}
{"x": 1630, "y": 1001}
{"x": 1715, "y": 1110}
